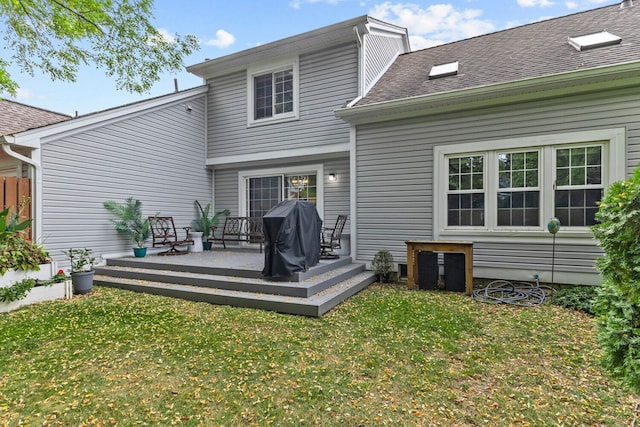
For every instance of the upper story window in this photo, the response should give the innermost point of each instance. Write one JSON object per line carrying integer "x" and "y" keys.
{"x": 273, "y": 93}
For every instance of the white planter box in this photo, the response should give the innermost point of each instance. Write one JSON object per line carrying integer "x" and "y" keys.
{"x": 39, "y": 293}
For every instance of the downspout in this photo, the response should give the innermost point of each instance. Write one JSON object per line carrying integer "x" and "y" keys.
{"x": 36, "y": 197}
{"x": 353, "y": 185}
{"x": 360, "y": 68}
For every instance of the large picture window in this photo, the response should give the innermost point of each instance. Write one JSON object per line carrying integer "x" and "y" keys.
{"x": 517, "y": 185}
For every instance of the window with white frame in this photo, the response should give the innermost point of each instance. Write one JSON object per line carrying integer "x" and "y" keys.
{"x": 263, "y": 189}
{"x": 579, "y": 184}
{"x": 273, "y": 93}
{"x": 465, "y": 197}
{"x": 517, "y": 185}
{"x": 264, "y": 192}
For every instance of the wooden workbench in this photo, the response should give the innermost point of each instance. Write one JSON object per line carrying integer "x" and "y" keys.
{"x": 413, "y": 246}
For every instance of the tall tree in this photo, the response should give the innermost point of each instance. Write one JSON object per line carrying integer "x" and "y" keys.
{"x": 59, "y": 36}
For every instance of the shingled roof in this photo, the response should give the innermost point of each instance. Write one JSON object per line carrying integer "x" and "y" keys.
{"x": 533, "y": 50}
{"x": 16, "y": 117}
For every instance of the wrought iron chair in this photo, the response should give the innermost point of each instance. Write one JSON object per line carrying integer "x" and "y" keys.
{"x": 330, "y": 239}
{"x": 164, "y": 234}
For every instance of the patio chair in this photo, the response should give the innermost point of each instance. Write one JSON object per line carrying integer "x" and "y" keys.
{"x": 164, "y": 233}
{"x": 330, "y": 239}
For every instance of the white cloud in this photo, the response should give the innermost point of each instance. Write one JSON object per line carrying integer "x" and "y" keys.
{"x": 571, "y": 5}
{"x": 26, "y": 94}
{"x": 534, "y": 3}
{"x": 435, "y": 24}
{"x": 223, "y": 39}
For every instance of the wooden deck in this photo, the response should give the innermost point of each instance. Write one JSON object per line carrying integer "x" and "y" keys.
{"x": 234, "y": 277}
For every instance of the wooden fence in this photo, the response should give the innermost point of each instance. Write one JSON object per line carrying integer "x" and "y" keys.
{"x": 16, "y": 193}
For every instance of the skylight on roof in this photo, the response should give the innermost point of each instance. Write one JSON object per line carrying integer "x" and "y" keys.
{"x": 592, "y": 41}
{"x": 444, "y": 70}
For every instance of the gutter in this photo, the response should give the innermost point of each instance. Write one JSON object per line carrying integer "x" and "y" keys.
{"x": 537, "y": 88}
{"x": 36, "y": 196}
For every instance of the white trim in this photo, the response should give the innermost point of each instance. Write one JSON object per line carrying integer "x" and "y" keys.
{"x": 34, "y": 161}
{"x": 46, "y": 133}
{"x": 353, "y": 188}
{"x": 527, "y": 275}
{"x": 297, "y": 152}
{"x": 614, "y": 157}
{"x": 317, "y": 169}
{"x": 273, "y": 67}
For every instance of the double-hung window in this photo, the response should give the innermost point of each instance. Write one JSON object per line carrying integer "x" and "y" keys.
{"x": 466, "y": 197}
{"x": 579, "y": 184}
{"x": 273, "y": 94}
{"x": 514, "y": 187}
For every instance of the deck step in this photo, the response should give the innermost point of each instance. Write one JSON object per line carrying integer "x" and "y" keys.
{"x": 315, "y": 305}
{"x": 324, "y": 279}
{"x": 252, "y": 269}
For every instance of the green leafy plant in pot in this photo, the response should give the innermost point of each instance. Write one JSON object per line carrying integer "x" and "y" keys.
{"x": 130, "y": 222}
{"x": 382, "y": 265}
{"x": 17, "y": 252}
{"x": 81, "y": 269}
{"x": 203, "y": 222}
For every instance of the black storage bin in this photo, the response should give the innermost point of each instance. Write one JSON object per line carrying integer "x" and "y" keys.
{"x": 427, "y": 270}
{"x": 454, "y": 274}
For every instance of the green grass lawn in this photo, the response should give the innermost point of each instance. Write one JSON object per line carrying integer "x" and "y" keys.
{"x": 387, "y": 356}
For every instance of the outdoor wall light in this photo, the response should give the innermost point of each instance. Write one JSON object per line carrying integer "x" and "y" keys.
{"x": 333, "y": 177}
{"x": 188, "y": 107}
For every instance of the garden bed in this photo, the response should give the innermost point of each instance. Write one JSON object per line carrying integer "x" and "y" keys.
{"x": 39, "y": 293}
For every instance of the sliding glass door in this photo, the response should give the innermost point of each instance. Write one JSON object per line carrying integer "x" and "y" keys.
{"x": 264, "y": 192}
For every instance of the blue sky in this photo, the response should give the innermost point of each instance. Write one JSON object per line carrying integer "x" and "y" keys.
{"x": 225, "y": 27}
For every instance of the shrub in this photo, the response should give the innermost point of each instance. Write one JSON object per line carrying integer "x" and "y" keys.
{"x": 579, "y": 298}
{"x": 617, "y": 305}
{"x": 382, "y": 265}
{"x": 18, "y": 253}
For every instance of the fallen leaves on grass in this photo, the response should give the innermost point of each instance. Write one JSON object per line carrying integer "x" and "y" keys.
{"x": 387, "y": 356}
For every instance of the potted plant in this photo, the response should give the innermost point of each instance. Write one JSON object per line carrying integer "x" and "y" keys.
{"x": 204, "y": 222}
{"x": 382, "y": 265}
{"x": 27, "y": 274}
{"x": 130, "y": 222}
{"x": 81, "y": 269}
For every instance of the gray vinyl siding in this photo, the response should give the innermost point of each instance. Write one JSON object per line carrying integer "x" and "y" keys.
{"x": 227, "y": 193}
{"x": 157, "y": 157}
{"x": 394, "y": 197}
{"x": 327, "y": 80}
{"x": 379, "y": 53}
{"x": 336, "y": 194}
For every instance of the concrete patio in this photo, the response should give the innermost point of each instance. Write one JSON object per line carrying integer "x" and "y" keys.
{"x": 234, "y": 277}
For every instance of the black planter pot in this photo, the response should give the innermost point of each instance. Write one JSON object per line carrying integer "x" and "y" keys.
{"x": 206, "y": 246}
{"x": 82, "y": 282}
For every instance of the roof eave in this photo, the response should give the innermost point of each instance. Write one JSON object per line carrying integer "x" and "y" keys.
{"x": 575, "y": 82}
{"x": 34, "y": 137}
{"x": 332, "y": 35}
